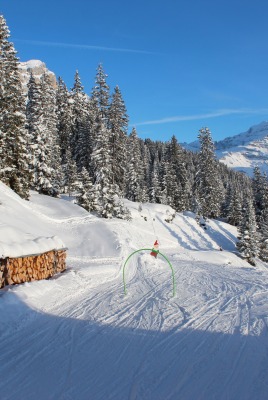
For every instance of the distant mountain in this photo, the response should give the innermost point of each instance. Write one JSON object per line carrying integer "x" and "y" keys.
{"x": 244, "y": 151}
{"x": 37, "y": 68}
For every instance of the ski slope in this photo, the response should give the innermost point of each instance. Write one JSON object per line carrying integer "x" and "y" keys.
{"x": 78, "y": 337}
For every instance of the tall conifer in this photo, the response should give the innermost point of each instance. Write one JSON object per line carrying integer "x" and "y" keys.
{"x": 13, "y": 136}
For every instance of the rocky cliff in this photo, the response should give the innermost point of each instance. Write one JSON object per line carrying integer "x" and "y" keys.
{"x": 37, "y": 68}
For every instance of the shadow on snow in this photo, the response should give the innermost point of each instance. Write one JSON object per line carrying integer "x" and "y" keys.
{"x": 48, "y": 357}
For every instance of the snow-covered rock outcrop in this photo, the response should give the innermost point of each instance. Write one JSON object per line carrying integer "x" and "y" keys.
{"x": 37, "y": 68}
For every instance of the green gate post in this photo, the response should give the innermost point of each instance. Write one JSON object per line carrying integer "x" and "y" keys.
{"x": 169, "y": 263}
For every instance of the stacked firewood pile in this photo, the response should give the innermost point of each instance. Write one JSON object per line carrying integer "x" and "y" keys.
{"x": 31, "y": 268}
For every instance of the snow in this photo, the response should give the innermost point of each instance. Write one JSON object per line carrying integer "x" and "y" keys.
{"x": 242, "y": 152}
{"x": 19, "y": 234}
{"x": 78, "y": 337}
{"x": 31, "y": 64}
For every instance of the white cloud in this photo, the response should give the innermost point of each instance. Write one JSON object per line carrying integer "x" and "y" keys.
{"x": 82, "y": 46}
{"x": 214, "y": 114}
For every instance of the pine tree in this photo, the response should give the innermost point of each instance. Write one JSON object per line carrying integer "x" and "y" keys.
{"x": 145, "y": 172}
{"x": 118, "y": 123}
{"x": 176, "y": 160}
{"x": 248, "y": 243}
{"x": 13, "y": 136}
{"x": 64, "y": 119}
{"x": 70, "y": 174}
{"x": 34, "y": 123}
{"x": 259, "y": 186}
{"x": 42, "y": 128}
{"x": 263, "y": 231}
{"x": 87, "y": 197}
{"x": 260, "y": 190}
{"x": 170, "y": 186}
{"x": 208, "y": 185}
{"x": 155, "y": 189}
{"x": 234, "y": 208}
{"x": 80, "y": 142}
{"x": 50, "y": 130}
{"x": 101, "y": 160}
{"x": 134, "y": 168}
{"x": 101, "y": 94}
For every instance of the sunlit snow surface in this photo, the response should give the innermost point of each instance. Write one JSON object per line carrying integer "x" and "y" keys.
{"x": 78, "y": 337}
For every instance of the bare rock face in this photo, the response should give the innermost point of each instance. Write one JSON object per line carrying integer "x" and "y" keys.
{"x": 37, "y": 68}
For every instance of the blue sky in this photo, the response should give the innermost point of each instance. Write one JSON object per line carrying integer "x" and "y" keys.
{"x": 180, "y": 64}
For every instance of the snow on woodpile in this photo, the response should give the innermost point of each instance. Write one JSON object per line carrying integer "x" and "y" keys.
{"x": 14, "y": 244}
{"x": 27, "y": 250}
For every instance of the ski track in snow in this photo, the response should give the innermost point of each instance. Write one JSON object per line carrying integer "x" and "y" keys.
{"x": 78, "y": 337}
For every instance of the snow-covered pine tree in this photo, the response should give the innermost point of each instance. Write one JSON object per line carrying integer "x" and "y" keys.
{"x": 121, "y": 211}
{"x": 263, "y": 229}
{"x": 248, "y": 241}
{"x": 101, "y": 161}
{"x": 42, "y": 128}
{"x": 259, "y": 187}
{"x": 70, "y": 175}
{"x": 175, "y": 157}
{"x": 264, "y": 236}
{"x": 14, "y": 150}
{"x": 118, "y": 123}
{"x": 50, "y": 130}
{"x": 80, "y": 142}
{"x": 87, "y": 196}
{"x": 64, "y": 118}
{"x": 260, "y": 190}
{"x": 191, "y": 171}
{"x": 101, "y": 94}
{"x": 145, "y": 168}
{"x": 102, "y": 153}
{"x": 234, "y": 207}
{"x": 34, "y": 123}
{"x": 208, "y": 184}
{"x": 134, "y": 175}
{"x": 169, "y": 183}
{"x": 155, "y": 189}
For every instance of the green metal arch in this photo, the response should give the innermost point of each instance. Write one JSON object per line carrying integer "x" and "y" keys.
{"x": 169, "y": 263}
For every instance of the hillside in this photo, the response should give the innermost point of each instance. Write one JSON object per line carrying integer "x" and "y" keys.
{"x": 77, "y": 336}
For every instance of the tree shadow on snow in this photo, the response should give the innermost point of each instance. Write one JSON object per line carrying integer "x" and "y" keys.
{"x": 190, "y": 243}
{"x": 47, "y": 357}
{"x": 222, "y": 237}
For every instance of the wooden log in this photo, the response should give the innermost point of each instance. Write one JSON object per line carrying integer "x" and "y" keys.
{"x": 9, "y": 280}
{"x": 22, "y": 269}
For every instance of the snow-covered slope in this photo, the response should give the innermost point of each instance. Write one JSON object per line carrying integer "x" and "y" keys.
{"x": 79, "y": 337}
{"x": 244, "y": 151}
{"x": 21, "y": 233}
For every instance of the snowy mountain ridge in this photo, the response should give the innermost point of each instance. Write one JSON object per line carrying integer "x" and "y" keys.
{"x": 244, "y": 151}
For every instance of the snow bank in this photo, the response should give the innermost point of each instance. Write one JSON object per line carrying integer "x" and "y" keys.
{"x": 21, "y": 232}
